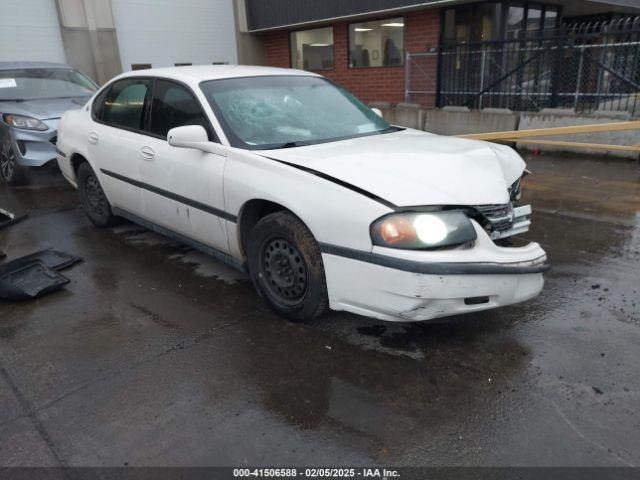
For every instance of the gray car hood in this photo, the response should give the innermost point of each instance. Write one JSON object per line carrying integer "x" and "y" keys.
{"x": 43, "y": 109}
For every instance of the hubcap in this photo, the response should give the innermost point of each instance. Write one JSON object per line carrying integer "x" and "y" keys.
{"x": 284, "y": 271}
{"x": 94, "y": 197}
{"x": 7, "y": 160}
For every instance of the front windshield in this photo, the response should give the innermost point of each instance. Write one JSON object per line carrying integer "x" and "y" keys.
{"x": 288, "y": 111}
{"x": 41, "y": 83}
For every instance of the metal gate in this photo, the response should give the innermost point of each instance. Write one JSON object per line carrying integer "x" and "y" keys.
{"x": 585, "y": 67}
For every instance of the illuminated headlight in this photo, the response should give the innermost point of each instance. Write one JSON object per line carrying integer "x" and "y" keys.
{"x": 421, "y": 231}
{"x": 24, "y": 123}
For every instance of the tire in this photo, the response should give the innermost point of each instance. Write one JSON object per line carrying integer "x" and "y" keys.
{"x": 94, "y": 201}
{"x": 12, "y": 173}
{"x": 286, "y": 267}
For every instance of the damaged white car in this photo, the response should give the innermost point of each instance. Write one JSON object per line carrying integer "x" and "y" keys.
{"x": 289, "y": 177}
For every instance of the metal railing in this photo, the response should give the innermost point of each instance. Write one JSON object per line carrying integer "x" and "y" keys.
{"x": 585, "y": 67}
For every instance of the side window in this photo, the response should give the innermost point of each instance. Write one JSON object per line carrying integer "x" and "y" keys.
{"x": 174, "y": 106}
{"x": 98, "y": 104}
{"x": 124, "y": 103}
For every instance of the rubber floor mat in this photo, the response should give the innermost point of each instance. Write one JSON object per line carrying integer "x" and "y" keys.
{"x": 53, "y": 259}
{"x": 28, "y": 280}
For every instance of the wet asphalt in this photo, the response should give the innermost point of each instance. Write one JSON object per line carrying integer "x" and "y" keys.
{"x": 155, "y": 354}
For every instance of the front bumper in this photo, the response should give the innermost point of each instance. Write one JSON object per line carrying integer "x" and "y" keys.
{"x": 398, "y": 285}
{"x": 33, "y": 148}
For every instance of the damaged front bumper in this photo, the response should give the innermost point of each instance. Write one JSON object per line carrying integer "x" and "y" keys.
{"x": 502, "y": 221}
{"x": 402, "y": 285}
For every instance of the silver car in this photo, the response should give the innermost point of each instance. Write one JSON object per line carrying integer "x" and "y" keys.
{"x": 33, "y": 97}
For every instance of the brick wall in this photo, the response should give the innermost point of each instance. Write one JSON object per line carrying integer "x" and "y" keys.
{"x": 383, "y": 84}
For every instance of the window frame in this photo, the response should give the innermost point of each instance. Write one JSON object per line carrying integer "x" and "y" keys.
{"x": 146, "y": 109}
{"x": 103, "y": 93}
{"x": 506, "y": 5}
{"x": 404, "y": 42}
{"x": 333, "y": 48}
{"x": 211, "y": 134}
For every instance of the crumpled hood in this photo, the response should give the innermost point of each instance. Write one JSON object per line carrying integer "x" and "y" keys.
{"x": 411, "y": 167}
{"x": 43, "y": 109}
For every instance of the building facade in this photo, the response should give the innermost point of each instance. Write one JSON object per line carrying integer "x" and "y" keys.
{"x": 373, "y": 47}
{"x": 106, "y": 37}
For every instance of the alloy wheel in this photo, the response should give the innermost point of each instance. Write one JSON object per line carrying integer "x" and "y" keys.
{"x": 7, "y": 162}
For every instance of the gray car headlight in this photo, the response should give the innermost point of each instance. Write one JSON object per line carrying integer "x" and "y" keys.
{"x": 422, "y": 230}
{"x": 24, "y": 123}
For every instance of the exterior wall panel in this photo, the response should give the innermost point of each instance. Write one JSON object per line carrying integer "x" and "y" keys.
{"x": 263, "y": 14}
{"x": 30, "y": 31}
{"x": 373, "y": 84}
{"x": 165, "y": 32}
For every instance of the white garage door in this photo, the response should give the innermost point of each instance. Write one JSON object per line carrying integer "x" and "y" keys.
{"x": 30, "y": 31}
{"x": 165, "y": 32}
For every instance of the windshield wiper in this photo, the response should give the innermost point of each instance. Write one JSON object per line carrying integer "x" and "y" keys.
{"x": 298, "y": 143}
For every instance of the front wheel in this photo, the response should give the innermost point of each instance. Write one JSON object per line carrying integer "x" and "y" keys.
{"x": 94, "y": 201}
{"x": 11, "y": 172}
{"x": 286, "y": 267}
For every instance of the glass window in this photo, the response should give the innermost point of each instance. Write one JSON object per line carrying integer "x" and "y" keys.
{"x": 449, "y": 32}
{"x": 464, "y": 20}
{"x": 488, "y": 15}
{"x": 312, "y": 49}
{"x": 140, "y": 66}
{"x": 174, "y": 106}
{"x": 98, "y": 104}
{"x": 515, "y": 18}
{"x": 44, "y": 83}
{"x": 124, "y": 103}
{"x": 377, "y": 44}
{"x": 550, "y": 18}
{"x": 289, "y": 111}
{"x": 534, "y": 19}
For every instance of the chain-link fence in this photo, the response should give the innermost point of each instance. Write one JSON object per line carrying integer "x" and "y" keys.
{"x": 586, "y": 67}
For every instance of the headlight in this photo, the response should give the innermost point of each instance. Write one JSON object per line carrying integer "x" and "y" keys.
{"x": 420, "y": 231}
{"x": 24, "y": 123}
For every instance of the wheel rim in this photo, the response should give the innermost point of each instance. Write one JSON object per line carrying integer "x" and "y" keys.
{"x": 284, "y": 271}
{"x": 7, "y": 162}
{"x": 94, "y": 197}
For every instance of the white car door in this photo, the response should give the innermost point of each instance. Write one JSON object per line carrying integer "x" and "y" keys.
{"x": 114, "y": 141}
{"x": 184, "y": 192}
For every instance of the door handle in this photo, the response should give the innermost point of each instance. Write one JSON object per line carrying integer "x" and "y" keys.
{"x": 147, "y": 153}
{"x": 93, "y": 138}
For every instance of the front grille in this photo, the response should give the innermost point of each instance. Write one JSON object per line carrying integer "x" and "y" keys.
{"x": 498, "y": 217}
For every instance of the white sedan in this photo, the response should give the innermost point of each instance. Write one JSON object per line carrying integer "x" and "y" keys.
{"x": 292, "y": 179}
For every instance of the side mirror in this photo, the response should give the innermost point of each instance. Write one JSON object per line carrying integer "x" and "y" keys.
{"x": 378, "y": 112}
{"x": 194, "y": 136}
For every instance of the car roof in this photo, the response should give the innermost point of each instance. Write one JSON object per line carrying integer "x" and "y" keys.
{"x": 22, "y": 65}
{"x": 194, "y": 74}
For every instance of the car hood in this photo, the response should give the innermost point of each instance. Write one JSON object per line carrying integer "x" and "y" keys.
{"x": 43, "y": 109}
{"x": 411, "y": 167}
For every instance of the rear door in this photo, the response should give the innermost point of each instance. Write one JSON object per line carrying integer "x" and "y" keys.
{"x": 115, "y": 140}
{"x": 187, "y": 195}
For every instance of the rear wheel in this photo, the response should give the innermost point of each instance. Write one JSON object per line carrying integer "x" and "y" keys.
{"x": 11, "y": 172}
{"x": 286, "y": 267}
{"x": 94, "y": 201}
